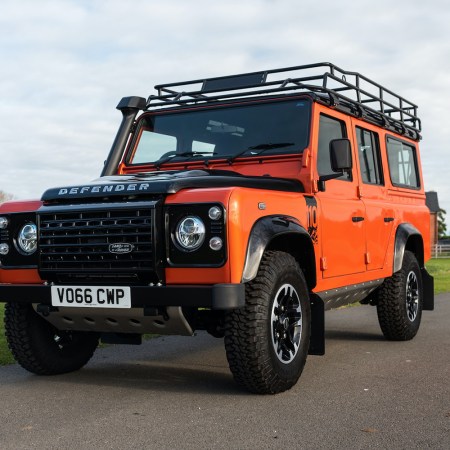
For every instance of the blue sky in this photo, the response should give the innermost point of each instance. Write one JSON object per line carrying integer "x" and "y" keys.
{"x": 65, "y": 65}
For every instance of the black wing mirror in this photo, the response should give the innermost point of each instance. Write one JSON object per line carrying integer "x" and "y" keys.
{"x": 340, "y": 155}
{"x": 341, "y": 160}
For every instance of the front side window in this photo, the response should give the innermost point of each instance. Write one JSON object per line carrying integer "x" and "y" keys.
{"x": 247, "y": 130}
{"x": 369, "y": 156}
{"x": 329, "y": 129}
{"x": 402, "y": 163}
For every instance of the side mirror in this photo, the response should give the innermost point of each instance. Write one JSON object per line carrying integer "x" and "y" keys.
{"x": 340, "y": 155}
{"x": 341, "y": 161}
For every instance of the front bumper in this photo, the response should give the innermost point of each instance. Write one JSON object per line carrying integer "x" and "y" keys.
{"x": 217, "y": 296}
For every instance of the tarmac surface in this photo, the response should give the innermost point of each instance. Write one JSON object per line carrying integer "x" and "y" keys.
{"x": 177, "y": 392}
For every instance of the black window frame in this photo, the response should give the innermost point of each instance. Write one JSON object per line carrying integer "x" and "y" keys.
{"x": 344, "y": 136}
{"x": 377, "y": 153}
{"x": 416, "y": 165}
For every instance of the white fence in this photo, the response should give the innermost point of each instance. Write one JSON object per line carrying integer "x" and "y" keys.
{"x": 440, "y": 251}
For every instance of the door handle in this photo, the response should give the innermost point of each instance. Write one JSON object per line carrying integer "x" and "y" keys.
{"x": 388, "y": 219}
{"x": 357, "y": 219}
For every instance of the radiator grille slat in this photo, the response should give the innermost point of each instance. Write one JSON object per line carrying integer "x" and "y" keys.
{"x": 74, "y": 245}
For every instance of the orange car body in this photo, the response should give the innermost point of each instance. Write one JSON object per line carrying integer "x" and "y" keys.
{"x": 347, "y": 232}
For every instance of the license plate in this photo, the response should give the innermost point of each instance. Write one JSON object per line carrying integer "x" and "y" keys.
{"x": 91, "y": 296}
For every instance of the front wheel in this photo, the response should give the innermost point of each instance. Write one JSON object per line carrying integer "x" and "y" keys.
{"x": 42, "y": 349}
{"x": 267, "y": 341}
{"x": 400, "y": 301}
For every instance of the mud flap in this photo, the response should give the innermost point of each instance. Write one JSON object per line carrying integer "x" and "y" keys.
{"x": 428, "y": 290}
{"x": 317, "y": 341}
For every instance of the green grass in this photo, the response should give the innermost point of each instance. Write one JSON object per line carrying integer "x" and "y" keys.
{"x": 438, "y": 268}
{"x": 5, "y": 354}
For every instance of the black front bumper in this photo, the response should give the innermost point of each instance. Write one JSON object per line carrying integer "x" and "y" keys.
{"x": 217, "y": 296}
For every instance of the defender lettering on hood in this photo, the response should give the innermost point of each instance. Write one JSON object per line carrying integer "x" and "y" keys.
{"x": 105, "y": 189}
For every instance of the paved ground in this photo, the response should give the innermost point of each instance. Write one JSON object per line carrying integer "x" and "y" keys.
{"x": 178, "y": 393}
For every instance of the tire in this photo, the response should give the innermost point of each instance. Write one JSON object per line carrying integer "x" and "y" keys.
{"x": 277, "y": 301}
{"x": 42, "y": 349}
{"x": 400, "y": 301}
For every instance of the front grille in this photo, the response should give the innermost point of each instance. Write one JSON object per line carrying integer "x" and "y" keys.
{"x": 79, "y": 246}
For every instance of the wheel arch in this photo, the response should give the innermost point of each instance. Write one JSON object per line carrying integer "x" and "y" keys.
{"x": 408, "y": 237}
{"x": 283, "y": 233}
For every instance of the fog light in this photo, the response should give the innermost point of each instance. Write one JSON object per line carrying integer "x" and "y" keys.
{"x": 215, "y": 213}
{"x": 215, "y": 243}
{"x": 3, "y": 223}
{"x": 4, "y": 249}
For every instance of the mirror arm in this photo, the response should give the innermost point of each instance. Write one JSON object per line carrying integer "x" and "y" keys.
{"x": 323, "y": 178}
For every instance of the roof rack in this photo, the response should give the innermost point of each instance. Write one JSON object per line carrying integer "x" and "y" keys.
{"x": 343, "y": 89}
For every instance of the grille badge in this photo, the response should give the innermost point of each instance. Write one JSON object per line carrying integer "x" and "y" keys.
{"x": 121, "y": 247}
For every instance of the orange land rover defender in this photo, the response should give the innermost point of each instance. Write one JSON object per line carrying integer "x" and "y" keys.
{"x": 242, "y": 205}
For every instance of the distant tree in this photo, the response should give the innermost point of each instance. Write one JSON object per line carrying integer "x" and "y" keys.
{"x": 442, "y": 227}
{"x": 4, "y": 196}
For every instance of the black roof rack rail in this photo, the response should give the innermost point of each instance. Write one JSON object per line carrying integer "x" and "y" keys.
{"x": 339, "y": 88}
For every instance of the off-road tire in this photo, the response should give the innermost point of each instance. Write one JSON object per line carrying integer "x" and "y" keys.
{"x": 400, "y": 301}
{"x": 249, "y": 331}
{"x": 42, "y": 349}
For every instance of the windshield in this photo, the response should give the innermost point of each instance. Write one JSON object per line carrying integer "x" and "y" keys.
{"x": 226, "y": 132}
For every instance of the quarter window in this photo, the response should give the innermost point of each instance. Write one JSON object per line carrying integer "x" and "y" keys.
{"x": 402, "y": 163}
{"x": 329, "y": 129}
{"x": 369, "y": 156}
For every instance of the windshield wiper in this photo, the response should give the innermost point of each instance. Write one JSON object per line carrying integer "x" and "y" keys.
{"x": 168, "y": 158}
{"x": 262, "y": 148}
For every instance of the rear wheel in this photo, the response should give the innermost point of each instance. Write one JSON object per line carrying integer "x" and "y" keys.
{"x": 400, "y": 301}
{"x": 267, "y": 341}
{"x": 41, "y": 348}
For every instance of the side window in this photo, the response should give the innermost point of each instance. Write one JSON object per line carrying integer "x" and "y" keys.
{"x": 402, "y": 163}
{"x": 369, "y": 156}
{"x": 329, "y": 129}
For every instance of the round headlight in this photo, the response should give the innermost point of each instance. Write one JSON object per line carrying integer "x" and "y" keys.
{"x": 215, "y": 243}
{"x": 190, "y": 233}
{"x": 27, "y": 239}
{"x": 3, "y": 222}
{"x": 4, "y": 249}
{"x": 215, "y": 213}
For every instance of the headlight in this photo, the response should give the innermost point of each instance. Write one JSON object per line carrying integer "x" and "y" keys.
{"x": 27, "y": 239}
{"x": 3, "y": 223}
{"x": 190, "y": 233}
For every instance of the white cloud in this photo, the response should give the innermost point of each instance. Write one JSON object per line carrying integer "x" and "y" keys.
{"x": 66, "y": 64}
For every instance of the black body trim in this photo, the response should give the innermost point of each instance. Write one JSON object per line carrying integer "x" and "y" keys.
{"x": 403, "y": 233}
{"x": 262, "y": 233}
{"x": 217, "y": 296}
{"x": 169, "y": 182}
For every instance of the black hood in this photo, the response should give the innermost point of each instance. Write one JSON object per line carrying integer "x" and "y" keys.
{"x": 167, "y": 182}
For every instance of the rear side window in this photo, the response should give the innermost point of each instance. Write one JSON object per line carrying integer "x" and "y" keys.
{"x": 402, "y": 163}
{"x": 369, "y": 156}
{"x": 329, "y": 129}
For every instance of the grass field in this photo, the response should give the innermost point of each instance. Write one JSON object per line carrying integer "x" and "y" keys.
{"x": 438, "y": 268}
{"x": 5, "y": 354}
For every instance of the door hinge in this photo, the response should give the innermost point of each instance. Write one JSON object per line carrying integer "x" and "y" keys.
{"x": 323, "y": 263}
{"x": 367, "y": 258}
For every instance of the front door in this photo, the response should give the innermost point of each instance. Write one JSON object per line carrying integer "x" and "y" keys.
{"x": 342, "y": 213}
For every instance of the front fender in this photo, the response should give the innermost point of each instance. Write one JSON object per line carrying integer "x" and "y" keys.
{"x": 268, "y": 229}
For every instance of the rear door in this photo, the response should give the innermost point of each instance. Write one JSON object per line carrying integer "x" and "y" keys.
{"x": 379, "y": 211}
